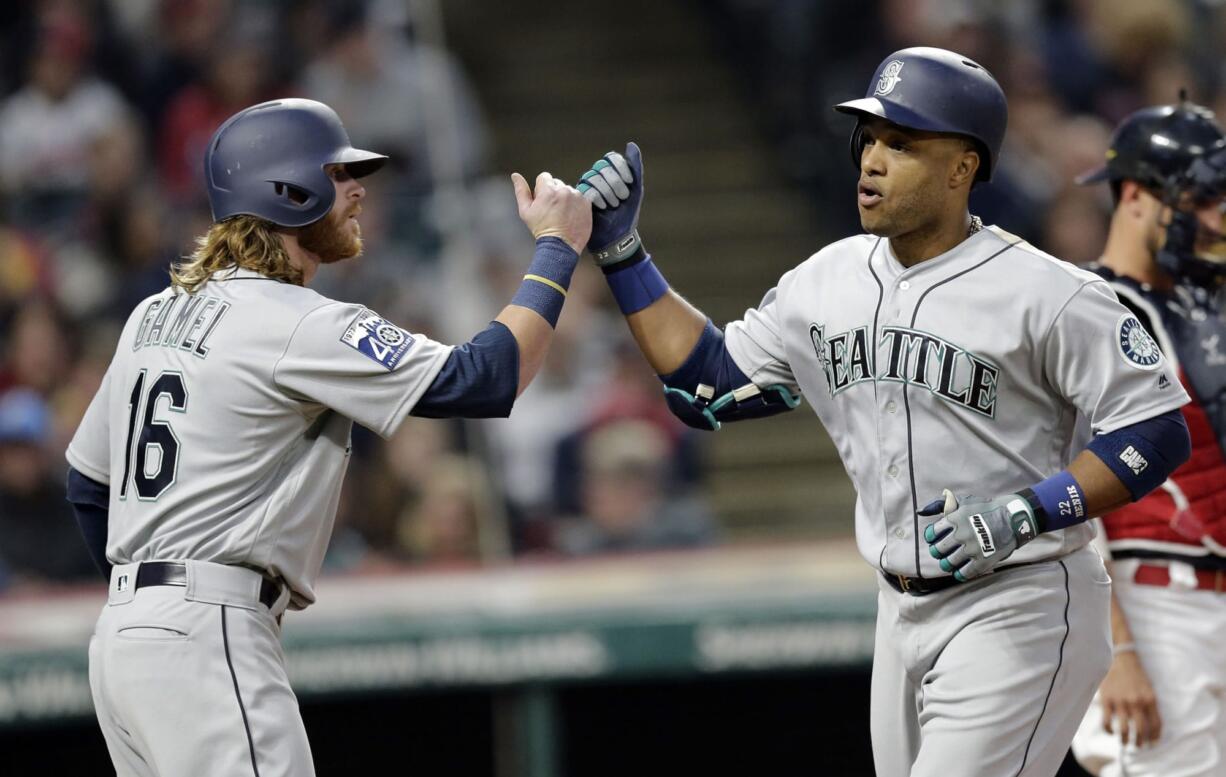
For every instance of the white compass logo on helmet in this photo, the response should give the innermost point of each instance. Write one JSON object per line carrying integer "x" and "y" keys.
{"x": 890, "y": 77}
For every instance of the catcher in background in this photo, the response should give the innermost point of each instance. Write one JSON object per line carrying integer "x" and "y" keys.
{"x": 206, "y": 471}
{"x": 1161, "y": 711}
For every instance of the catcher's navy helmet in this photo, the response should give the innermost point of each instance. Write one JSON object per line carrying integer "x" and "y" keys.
{"x": 1178, "y": 153}
{"x": 1155, "y": 146}
{"x": 936, "y": 90}
{"x": 268, "y": 161}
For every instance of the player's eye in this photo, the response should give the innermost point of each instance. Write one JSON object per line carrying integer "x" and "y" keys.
{"x": 899, "y": 145}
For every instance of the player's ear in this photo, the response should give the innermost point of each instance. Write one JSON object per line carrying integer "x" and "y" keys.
{"x": 966, "y": 164}
{"x": 1134, "y": 199}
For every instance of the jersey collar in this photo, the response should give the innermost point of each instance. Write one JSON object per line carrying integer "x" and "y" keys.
{"x": 971, "y": 247}
{"x": 238, "y": 273}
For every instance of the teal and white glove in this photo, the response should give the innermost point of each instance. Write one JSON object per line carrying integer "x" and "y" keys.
{"x": 614, "y": 186}
{"x": 974, "y": 535}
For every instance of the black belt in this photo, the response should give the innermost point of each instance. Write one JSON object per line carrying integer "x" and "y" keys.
{"x": 918, "y": 586}
{"x": 922, "y": 586}
{"x": 175, "y": 573}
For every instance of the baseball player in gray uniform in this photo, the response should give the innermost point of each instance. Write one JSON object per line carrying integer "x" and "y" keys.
{"x": 986, "y": 400}
{"x": 207, "y": 469}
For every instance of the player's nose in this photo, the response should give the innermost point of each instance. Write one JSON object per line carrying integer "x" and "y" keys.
{"x": 872, "y": 160}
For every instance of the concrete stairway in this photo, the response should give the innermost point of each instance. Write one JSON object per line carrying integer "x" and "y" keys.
{"x": 562, "y": 83}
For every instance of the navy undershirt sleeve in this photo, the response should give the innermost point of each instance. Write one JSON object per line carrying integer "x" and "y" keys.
{"x": 478, "y": 380}
{"x": 90, "y": 502}
{"x": 1143, "y": 455}
{"x": 710, "y": 364}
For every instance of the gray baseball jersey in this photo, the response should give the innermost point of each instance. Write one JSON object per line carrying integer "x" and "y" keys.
{"x": 983, "y": 370}
{"x": 222, "y": 425}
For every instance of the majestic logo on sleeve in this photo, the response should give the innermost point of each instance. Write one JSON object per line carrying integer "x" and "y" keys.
{"x": 890, "y": 77}
{"x": 909, "y": 356}
{"x": 378, "y": 338}
{"x": 1136, "y": 345}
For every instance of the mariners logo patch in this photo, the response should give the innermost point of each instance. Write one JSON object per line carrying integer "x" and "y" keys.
{"x": 378, "y": 339}
{"x": 1136, "y": 346}
{"x": 890, "y": 77}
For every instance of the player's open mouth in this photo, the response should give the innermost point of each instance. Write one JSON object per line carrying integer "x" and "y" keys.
{"x": 868, "y": 194}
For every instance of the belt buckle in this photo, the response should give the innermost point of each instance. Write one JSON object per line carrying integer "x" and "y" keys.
{"x": 905, "y": 583}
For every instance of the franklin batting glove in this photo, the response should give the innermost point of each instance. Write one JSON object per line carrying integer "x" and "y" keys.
{"x": 974, "y": 535}
{"x": 614, "y": 186}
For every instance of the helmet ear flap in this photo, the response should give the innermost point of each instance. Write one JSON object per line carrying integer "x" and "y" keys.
{"x": 855, "y": 145}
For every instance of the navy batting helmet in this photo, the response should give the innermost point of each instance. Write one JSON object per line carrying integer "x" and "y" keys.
{"x": 268, "y": 161}
{"x": 936, "y": 90}
{"x": 1155, "y": 146}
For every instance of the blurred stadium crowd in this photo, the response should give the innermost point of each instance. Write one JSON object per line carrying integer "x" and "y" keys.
{"x": 105, "y": 107}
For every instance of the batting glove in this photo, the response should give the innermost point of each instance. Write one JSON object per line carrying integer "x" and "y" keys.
{"x": 974, "y": 535}
{"x": 614, "y": 186}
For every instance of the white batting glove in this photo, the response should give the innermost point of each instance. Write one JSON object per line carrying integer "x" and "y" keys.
{"x": 974, "y": 535}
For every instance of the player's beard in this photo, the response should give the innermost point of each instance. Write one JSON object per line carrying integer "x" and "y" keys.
{"x": 333, "y": 238}
{"x": 899, "y": 213}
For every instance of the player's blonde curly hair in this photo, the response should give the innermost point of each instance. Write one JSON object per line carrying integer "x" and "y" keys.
{"x": 241, "y": 241}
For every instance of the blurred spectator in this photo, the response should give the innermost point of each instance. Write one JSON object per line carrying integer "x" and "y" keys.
{"x": 630, "y": 391}
{"x": 451, "y": 522}
{"x": 183, "y": 33}
{"x": 36, "y": 350}
{"x": 24, "y": 271}
{"x": 39, "y": 540}
{"x": 236, "y": 75}
{"x": 63, "y": 134}
{"x": 137, "y": 237}
{"x": 391, "y": 483}
{"x": 409, "y": 100}
{"x": 624, "y": 502}
{"x": 1073, "y": 229}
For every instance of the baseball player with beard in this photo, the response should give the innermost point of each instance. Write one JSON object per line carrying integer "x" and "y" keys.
{"x": 946, "y": 359}
{"x": 207, "y": 469}
{"x": 1161, "y": 711}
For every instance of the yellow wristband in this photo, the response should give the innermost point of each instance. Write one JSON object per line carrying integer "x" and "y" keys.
{"x": 547, "y": 282}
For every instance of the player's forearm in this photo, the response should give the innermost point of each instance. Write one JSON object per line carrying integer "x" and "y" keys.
{"x": 667, "y": 331}
{"x": 1102, "y": 491}
{"x": 533, "y": 335}
{"x": 534, "y": 310}
{"x": 1121, "y": 634}
{"x": 1116, "y": 468}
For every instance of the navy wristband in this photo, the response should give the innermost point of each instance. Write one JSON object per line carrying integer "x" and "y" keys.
{"x": 637, "y": 286}
{"x": 1061, "y": 501}
{"x": 548, "y": 277}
